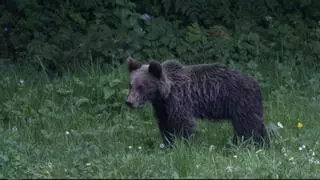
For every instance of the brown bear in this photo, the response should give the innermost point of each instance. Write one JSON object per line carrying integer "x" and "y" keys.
{"x": 181, "y": 93}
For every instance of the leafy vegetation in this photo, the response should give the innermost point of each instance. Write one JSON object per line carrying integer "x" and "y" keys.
{"x": 76, "y": 125}
{"x": 56, "y": 35}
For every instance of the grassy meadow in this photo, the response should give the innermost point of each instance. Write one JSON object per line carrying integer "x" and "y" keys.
{"x": 77, "y": 126}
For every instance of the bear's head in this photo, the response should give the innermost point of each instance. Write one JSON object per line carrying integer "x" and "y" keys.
{"x": 147, "y": 82}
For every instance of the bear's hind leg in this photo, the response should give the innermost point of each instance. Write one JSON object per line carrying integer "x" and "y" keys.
{"x": 250, "y": 126}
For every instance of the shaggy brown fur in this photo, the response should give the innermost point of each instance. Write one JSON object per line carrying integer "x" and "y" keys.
{"x": 179, "y": 94}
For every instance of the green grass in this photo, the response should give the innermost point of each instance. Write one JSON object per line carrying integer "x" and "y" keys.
{"x": 77, "y": 126}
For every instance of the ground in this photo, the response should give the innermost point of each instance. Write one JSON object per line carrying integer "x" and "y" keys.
{"x": 77, "y": 126}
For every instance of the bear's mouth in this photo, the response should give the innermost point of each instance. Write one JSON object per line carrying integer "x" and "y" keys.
{"x": 137, "y": 105}
{"x": 140, "y": 105}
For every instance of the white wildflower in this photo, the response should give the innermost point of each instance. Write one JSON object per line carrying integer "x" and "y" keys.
{"x": 50, "y": 165}
{"x": 311, "y": 160}
{"x": 268, "y": 18}
{"x": 300, "y": 148}
{"x": 21, "y": 81}
{"x": 235, "y": 156}
{"x": 161, "y": 145}
{"x": 67, "y": 133}
{"x": 303, "y": 146}
{"x": 88, "y": 164}
{"x": 14, "y": 129}
{"x": 280, "y": 125}
{"x": 314, "y": 161}
{"x": 291, "y": 158}
{"x": 211, "y": 148}
{"x": 229, "y": 168}
{"x": 130, "y": 147}
{"x": 139, "y": 147}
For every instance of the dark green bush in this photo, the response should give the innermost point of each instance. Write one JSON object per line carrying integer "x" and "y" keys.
{"x": 64, "y": 33}
{"x": 57, "y": 35}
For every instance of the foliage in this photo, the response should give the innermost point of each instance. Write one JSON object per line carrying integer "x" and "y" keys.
{"x": 58, "y": 35}
{"x": 61, "y": 34}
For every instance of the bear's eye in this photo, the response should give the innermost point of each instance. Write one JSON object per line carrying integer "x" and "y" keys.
{"x": 130, "y": 86}
{"x": 140, "y": 89}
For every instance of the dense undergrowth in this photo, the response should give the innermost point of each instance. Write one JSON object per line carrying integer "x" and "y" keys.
{"x": 57, "y": 35}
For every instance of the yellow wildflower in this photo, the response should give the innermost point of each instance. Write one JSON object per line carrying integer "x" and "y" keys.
{"x": 299, "y": 125}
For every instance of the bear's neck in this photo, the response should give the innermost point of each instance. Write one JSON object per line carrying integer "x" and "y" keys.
{"x": 159, "y": 107}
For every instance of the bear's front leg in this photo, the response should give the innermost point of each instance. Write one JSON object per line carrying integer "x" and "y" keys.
{"x": 183, "y": 132}
{"x": 183, "y": 128}
{"x": 167, "y": 140}
{"x": 166, "y": 133}
{"x": 177, "y": 124}
{"x": 187, "y": 129}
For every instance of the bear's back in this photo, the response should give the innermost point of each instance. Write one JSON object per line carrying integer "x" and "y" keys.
{"x": 215, "y": 70}
{"x": 178, "y": 72}
{"x": 172, "y": 65}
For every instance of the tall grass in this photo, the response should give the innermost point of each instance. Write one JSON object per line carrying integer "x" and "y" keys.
{"x": 77, "y": 126}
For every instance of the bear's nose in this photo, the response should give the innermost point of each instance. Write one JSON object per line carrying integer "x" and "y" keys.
{"x": 129, "y": 103}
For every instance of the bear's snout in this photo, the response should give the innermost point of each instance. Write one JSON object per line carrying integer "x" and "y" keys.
{"x": 128, "y": 103}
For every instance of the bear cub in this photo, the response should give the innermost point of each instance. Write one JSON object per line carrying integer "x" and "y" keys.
{"x": 180, "y": 94}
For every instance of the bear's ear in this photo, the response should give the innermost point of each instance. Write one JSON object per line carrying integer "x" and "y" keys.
{"x": 133, "y": 64}
{"x": 155, "y": 69}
